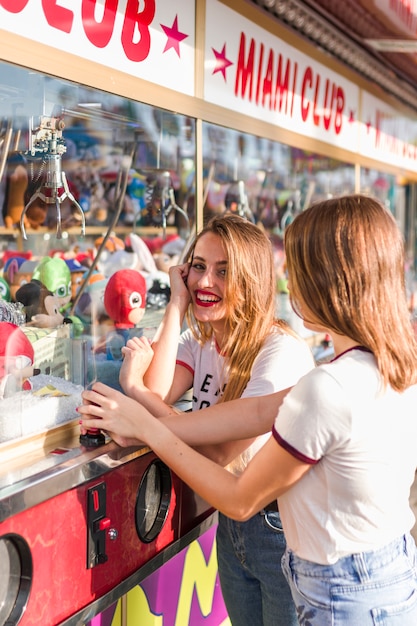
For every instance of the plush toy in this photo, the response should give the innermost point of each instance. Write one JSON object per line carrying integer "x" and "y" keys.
{"x": 77, "y": 272}
{"x": 90, "y": 306}
{"x": 12, "y": 254}
{"x": 18, "y": 271}
{"x": 157, "y": 281}
{"x": 124, "y": 301}
{"x": 112, "y": 244}
{"x": 41, "y": 306}
{"x": 16, "y": 360}
{"x": 169, "y": 254}
{"x": 4, "y": 290}
{"x": 14, "y": 201}
{"x": 55, "y": 275}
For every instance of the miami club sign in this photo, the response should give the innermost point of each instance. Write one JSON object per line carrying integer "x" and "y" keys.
{"x": 249, "y": 70}
{"x": 246, "y": 68}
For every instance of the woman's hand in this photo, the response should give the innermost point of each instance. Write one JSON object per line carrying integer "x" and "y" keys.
{"x": 178, "y": 284}
{"x": 137, "y": 356}
{"x": 113, "y": 412}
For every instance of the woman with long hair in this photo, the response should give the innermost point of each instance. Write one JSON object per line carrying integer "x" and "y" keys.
{"x": 232, "y": 347}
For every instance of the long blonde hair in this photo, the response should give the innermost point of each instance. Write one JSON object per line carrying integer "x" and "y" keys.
{"x": 345, "y": 260}
{"x": 249, "y": 297}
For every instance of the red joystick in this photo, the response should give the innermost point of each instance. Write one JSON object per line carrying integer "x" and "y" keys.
{"x": 93, "y": 437}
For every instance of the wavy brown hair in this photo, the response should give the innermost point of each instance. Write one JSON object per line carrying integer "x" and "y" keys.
{"x": 249, "y": 296}
{"x": 345, "y": 260}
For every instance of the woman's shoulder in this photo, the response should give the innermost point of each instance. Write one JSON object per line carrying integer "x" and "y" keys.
{"x": 281, "y": 338}
{"x": 287, "y": 350}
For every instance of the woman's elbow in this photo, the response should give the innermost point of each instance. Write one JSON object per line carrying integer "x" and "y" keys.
{"x": 241, "y": 513}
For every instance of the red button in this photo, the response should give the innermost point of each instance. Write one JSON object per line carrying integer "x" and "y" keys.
{"x": 104, "y": 523}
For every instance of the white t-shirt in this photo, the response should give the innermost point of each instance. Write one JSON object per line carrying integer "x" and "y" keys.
{"x": 280, "y": 363}
{"x": 362, "y": 443}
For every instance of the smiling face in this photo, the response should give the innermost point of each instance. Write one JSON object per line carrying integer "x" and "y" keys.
{"x": 207, "y": 280}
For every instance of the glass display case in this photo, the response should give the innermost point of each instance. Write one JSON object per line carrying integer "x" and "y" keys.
{"x": 92, "y": 186}
{"x": 97, "y": 201}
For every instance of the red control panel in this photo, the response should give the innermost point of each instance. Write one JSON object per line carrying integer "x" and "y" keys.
{"x": 83, "y": 542}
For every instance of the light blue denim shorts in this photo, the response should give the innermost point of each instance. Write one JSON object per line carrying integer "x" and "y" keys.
{"x": 369, "y": 588}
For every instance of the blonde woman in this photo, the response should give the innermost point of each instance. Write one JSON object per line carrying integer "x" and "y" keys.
{"x": 233, "y": 348}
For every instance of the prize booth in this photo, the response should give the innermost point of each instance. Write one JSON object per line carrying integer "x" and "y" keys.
{"x": 124, "y": 126}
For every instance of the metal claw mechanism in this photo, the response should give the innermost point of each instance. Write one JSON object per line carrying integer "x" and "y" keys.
{"x": 168, "y": 203}
{"x": 47, "y": 139}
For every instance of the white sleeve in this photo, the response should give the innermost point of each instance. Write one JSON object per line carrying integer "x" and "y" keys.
{"x": 281, "y": 362}
{"x": 185, "y": 353}
{"x": 315, "y": 417}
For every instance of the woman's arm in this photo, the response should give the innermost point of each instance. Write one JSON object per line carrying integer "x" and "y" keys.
{"x": 224, "y": 453}
{"x": 270, "y": 473}
{"x": 137, "y": 355}
{"x": 235, "y": 420}
{"x": 230, "y": 421}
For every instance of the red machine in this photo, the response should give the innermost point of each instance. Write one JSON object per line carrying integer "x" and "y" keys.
{"x": 82, "y": 527}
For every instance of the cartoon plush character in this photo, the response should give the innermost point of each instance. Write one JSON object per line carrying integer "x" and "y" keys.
{"x": 90, "y": 306}
{"x": 17, "y": 271}
{"x": 4, "y": 289}
{"x": 16, "y": 360}
{"x": 41, "y": 306}
{"x": 77, "y": 272}
{"x": 55, "y": 275}
{"x": 124, "y": 301}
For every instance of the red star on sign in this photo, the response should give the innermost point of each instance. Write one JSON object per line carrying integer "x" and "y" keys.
{"x": 222, "y": 62}
{"x": 174, "y": 36}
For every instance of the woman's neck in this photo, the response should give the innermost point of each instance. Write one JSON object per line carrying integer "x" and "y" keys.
{"x": 219, "y": 332}
{"x": 341, "y": 343}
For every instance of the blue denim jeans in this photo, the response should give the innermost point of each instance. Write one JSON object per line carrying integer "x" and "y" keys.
{"x": 375, "y": 588}
{"x": 254, "y": 588}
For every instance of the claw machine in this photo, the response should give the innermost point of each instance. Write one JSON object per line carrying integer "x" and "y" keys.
{"x": 93, "y": 181}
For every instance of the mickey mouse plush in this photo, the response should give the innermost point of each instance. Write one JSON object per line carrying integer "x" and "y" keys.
{"x": 41, "y": 306}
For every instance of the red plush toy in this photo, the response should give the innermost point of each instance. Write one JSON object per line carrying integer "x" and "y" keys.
{"x": 124, "y": 301}
{"x": 16, "y": 360}
{"x": 125, "y": 298}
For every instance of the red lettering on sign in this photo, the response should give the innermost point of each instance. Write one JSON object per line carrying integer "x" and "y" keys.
{"x": 244, "y": 70}
{"x": 272, "y": 81}
{"x": 99, "y": 33}
{"x": 294, "y": 83}
{"x": 316, "y": 116}
{"x": 340, "y": 107}
{"x": 258, "y": 84}
{"x": 325, "y": 110}
{"x": 267, "y": 85}
{"x": 305, "y": 102}
{"x": 281, "y": 84}
{"x": 57, "y": 16}
{"x": 13, "y": 6}
{"x": 137, "y": 22}
{"x": 327, "y": 107}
